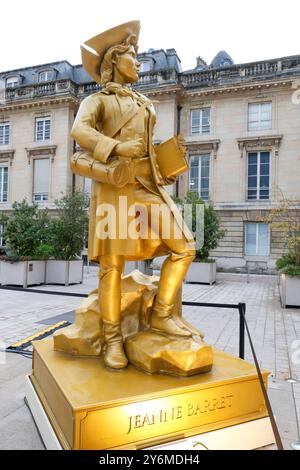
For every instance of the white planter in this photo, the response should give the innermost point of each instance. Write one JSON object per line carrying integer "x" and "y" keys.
{"x": 202, "y": 273}
{"x": 23, "y": 273}
{"x": 289, "y": 290}
{"x": 64, "y": 272}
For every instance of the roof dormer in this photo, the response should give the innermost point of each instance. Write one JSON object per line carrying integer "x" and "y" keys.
{"x": 46, "y": 75}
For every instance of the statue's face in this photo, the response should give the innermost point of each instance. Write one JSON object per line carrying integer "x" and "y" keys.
{"x": 128, "y": 66}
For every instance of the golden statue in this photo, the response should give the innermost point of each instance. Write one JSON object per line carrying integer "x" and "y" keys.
{"x": 114, "y": 128}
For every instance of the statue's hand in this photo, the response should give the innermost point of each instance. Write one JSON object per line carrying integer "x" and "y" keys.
{"x": 131, "y": 148}
{"x": 170, "y": 180}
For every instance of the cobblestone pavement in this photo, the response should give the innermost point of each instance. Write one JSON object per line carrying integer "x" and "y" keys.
{"x": 273, "y": 329}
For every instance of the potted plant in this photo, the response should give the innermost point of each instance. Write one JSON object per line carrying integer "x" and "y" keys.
{"x": 203, "y": 268}
{"x": 25, "y": 232}
{"x": 286, "y": 220}
{"x": 66, "y": 237}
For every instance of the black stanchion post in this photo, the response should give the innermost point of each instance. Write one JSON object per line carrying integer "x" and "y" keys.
{"x": 242, "y": 310}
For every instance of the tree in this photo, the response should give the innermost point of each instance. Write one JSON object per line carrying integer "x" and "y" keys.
{"x": 212, "y": 224}
{"x": 66, "y": 231}
{"x": 26, "y": 229}
{"x": 286, "y": 220}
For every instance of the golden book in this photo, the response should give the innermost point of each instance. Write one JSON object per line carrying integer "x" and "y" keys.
{"x": 171, "y": 157}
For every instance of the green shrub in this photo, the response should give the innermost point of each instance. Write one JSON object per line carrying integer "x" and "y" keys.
{"x": 44, "y": 251}
{"x": 291, "y": 270}
{"x": 25, "y": 229}
{"x": 285, "y": 260}
{"x": 285, "y": 218}
{"x": 66, "y": 231}
{"x": 212, "y": 225}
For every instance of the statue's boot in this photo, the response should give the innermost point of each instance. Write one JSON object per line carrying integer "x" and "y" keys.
{"x": 114, "y": 355}
{"x": 163, "y": 320}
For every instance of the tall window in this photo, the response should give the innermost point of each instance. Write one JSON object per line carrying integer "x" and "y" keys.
{"x": 12, "y": 82}
{"x": 45, "y": 76}
{"x": 40, "y": 179}
{"x": 257, "y": 239}
{"x": 4, "y": 133}
{"x": 199, "y": 175}
{"x": 42, "y": 128}
{"x": 200, "y": 121}
{"x": 3, "y": 182}
{"x": 259, "y": 116}
{"x": 258, "y": 175}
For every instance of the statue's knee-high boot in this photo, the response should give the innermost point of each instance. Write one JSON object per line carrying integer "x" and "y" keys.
{"x": 172, "y": 275}
{"x": 110, "y": 302}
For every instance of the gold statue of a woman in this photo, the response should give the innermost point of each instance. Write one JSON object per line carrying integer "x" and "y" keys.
{"x": 114, "y": 129}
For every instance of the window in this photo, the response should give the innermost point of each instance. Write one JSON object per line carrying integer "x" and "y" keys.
{"x": 258, "y": 175}
{"x": 12, "y": 82}
{"x": 40, "y": 179}
{"x": 199, "y": 175}
{"x": 259, "y": 116}
{"x": 257, "y": 239}
{"x": 45, "y": 76}
{"x": 145, "y": 66}
{"x": 2, "y": 241}
{"x": 87, "y": 186}
{"x": 42, "y": 128}
{"x": 4, "y": 133}
{"x": 3, "y": 182}
{"x": 200, "y": 121}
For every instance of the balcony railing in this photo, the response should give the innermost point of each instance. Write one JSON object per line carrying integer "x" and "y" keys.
{"x": 242, "y": 72}
{"x": 157, "y": 77}
{"x": 40, "y": 89}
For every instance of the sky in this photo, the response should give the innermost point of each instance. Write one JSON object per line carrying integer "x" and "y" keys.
{"x": 35, "y": 32}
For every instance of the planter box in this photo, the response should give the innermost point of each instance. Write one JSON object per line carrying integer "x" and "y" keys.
{"x": 23, "y": 273}
{"x": 64, "y": 272}
{"x": 289, "y": 290}
{"x": 202, "y": 273}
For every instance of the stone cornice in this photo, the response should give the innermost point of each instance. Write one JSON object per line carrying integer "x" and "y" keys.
{"x": 216, "y": 90}
{"x": 42, "y": 150}
{"x": 259, "y": 142}
{"x": 7, "y": 154}
{"x": 202, "y": 147}
{"x": 254, "y": 206}
{"x": 161, "y": 91}
{"x": 238, "y": 88}
{"x": 39, "y": 103}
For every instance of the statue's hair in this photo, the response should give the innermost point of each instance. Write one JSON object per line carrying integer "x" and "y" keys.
{"x": 106, "y": 68}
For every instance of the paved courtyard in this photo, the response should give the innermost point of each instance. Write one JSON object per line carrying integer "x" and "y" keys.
{"x": 273, "y": 329}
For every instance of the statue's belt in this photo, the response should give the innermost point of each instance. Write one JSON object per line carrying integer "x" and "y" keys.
{"x": 139, "y": 166}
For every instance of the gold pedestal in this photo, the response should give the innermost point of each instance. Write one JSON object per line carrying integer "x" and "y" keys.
{"x": 91, "y": 407}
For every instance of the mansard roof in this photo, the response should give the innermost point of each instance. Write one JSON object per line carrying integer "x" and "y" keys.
{"x": 161, "y": 60}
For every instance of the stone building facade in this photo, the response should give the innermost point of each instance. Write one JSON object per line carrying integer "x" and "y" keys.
{"x": 241, "y": 124}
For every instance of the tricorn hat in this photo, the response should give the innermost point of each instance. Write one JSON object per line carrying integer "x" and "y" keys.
{"x": 93, "y": 50}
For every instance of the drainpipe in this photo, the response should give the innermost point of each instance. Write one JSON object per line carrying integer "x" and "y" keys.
{"x": 73, "y": 174}
{"x": 179, "y": 108}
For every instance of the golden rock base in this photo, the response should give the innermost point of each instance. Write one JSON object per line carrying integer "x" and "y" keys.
{"x": 156, "y": 353}
{"x": 91, "y": 407}
{"x": 85, "y": 336}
